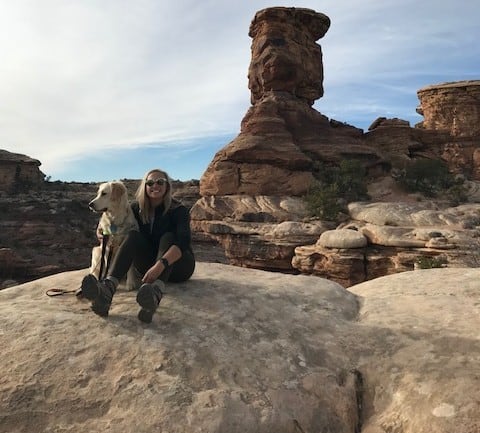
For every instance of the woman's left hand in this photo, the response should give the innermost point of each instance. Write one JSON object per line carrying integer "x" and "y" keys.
{"x": 153, "y": 273}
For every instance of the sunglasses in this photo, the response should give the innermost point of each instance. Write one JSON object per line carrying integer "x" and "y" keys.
{"x": 159, "y": 182}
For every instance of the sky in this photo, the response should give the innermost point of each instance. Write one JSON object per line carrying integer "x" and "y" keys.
{"x": 100, "y": 90}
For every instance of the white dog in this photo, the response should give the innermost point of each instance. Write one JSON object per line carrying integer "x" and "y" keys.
{"x": 116, "y": 221}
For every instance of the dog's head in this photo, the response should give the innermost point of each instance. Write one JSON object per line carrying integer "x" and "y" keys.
{"x": 110, "y": 196}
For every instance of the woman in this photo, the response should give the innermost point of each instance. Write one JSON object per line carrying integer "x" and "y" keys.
{"x": 161, "y": 251}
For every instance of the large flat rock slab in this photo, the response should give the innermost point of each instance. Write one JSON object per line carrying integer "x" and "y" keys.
{"x": 231, "y": 350}
{"x": 243, "y": 350}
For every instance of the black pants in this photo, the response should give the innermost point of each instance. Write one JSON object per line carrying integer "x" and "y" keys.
{"x": 137, "y": 250}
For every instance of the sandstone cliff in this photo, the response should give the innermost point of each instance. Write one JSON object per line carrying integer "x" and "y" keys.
{"x": 252, "y": 189}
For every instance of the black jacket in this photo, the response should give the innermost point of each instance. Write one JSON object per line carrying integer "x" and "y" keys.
{"x": 176, "y": 221}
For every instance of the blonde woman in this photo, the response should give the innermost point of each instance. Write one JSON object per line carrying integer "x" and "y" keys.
{"x": 160, "y": 251}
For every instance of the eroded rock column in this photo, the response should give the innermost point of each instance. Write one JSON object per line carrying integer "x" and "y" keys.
{"x": 271, "y": 155}
{"x": 251, "y": 191}
{"x": 285, "y": 55}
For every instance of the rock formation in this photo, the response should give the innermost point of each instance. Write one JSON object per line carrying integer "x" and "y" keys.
{"x": 385, "y": 238}
{"x": 252, "y": 189}
{"x": 19, "y": 172}
{"x": 246, "y": 351}
{"x": 450, "y": 130}
{"x": 454, "y": 108}
{"x": 281, "y": 135}
{"x": 258, "y": 177}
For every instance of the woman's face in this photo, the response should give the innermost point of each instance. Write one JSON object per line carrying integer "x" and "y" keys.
{"x": 156, "y": 186}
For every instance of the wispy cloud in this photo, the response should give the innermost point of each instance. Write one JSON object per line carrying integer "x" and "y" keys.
{"x": 86, "y": 76}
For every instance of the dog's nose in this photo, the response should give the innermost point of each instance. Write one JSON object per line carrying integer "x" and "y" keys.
{"x": 91, "y": 206}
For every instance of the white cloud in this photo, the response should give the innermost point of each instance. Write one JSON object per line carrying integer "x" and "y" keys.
{"x": 87, "y": 74}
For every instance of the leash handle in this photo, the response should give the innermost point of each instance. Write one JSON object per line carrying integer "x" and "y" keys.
{"x": 58, "y": 292}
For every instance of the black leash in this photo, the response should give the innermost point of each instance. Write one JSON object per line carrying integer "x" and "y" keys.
{"x": 58, "y": 292}
{"x": 78, "y": 292}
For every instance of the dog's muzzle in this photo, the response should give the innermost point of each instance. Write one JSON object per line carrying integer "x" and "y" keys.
{"x": 92, "y": 207}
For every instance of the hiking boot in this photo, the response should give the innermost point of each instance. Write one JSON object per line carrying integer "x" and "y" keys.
{"x": 99, "y": 292}
{"x": 148, "y": 297}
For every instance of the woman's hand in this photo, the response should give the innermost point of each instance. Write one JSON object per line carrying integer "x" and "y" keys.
{"x": 153, "y": 273}
{"x": 99, "y": 234}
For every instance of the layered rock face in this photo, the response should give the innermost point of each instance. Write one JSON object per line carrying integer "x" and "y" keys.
{"x": 47, "y": 231}
{"x": 251, "y": 191}
{"x": 454, "y": 108}
{"x": 19, "y": 172}
{"x": 399, "y": 144}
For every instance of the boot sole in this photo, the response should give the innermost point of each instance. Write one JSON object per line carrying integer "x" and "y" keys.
{"x": 147, "y": 298}
{"x": 145, "y": 316}
{"x": 100, "y": 309}
{"x": 90, "y": 287}
{"x": 149, "y": 301}
{"x": 91, "y": 292}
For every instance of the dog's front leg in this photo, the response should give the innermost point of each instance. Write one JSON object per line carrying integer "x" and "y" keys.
{"x": 134, "y": 279}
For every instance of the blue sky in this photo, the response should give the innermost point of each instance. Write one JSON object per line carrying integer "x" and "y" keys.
{"x": 107, "y": 89}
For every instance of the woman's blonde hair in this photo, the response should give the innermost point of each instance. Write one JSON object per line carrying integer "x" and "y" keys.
{"x": 144, "y": 202}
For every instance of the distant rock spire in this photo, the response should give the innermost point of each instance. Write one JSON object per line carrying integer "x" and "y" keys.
{"x": 285, "y": 56}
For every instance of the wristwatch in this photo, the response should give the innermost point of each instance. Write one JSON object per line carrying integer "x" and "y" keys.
{"x": 165, "y": 262}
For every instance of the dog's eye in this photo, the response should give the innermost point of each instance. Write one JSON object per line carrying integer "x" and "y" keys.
{"x": 104, "y": 193}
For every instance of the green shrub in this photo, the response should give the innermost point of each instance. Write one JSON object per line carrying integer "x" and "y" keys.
{"x": 457, "y": 194}
{"x": 428, "y": 262}
{"x": 427, "y": 176}
{"x": 322, "y": 201}
{"x": 334, "y": 188}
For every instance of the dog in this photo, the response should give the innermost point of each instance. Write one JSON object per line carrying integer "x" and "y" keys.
{"x": 116, "y": 221}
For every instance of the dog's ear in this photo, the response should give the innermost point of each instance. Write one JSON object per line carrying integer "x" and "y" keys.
{"x": 118, "y": 191}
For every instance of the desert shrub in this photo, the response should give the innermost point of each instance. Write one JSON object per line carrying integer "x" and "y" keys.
{"x": 471, "y": 222}
{"x": 334, "y": 188}
{"x": 427, "y": 176}
{"x": 322, "y": 201}
{"x": 429, "y": 262}
{"x": 457, "y": 193}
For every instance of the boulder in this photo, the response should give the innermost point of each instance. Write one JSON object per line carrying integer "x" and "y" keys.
{"x": 342, "y": 238}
